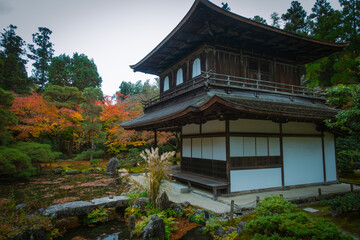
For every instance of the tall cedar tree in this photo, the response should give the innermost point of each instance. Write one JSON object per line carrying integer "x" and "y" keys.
{"x": 78, "y": 71}
{"x": 295, "y": 19}
{"x": 42, "y": 55}
{"x": 13, "y": 74}
{"x": 91, "y": 114}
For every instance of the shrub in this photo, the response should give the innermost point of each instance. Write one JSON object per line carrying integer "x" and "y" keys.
{"x": 294, "y": 226}
{"x": 212, "y": 224}
{"x": 14, "y": 163}
{"x": 347, "y": 203}
{"x": 348, "y": 161}
{"x": 85, "y": 155}
{"x": 274, "y": 205}
{"x": 159, "y": 169}
{"x": 139, "y": 226}
{"x": 133, "y": 211}
{"x": 37, "y": 152}
{"x": 97, "y": 215}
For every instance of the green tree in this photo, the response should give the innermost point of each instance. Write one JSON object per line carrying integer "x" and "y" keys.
{"x": 325, "y": 22}
{"x": 12, "y": 65}
{"x": 275, "y": 20}
{"x": 7, "y": 117}
{"x": 78, "y": 71}
{"x": 91, "y": 114}
{"x": 67, "y": 100}
{"x": 42, "y": 55}
{"x": 130, "y": 89}
{"x": 295, "y": 19}
{"x": 259, "y": 19}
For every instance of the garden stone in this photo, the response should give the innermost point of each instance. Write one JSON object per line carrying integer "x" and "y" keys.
{"x": 73, "y": 172}
{"x": 58, "y": 171}
{"x": 240, "y": 226}
{"x": 140, "y": 203}
{"x": 163, "y": 201}
{"x": 111, "y": 166}
{"x": 231, "y": 229}
{"x": 220, "y": 232}
{"x": 178, "y": 209}
{"x": 206, "y": 215}
{"x": 155, "y": 229}
{"x": 37, "y": 234}
{"x": 185, "y": 204}
{"x": 22, "y": 206}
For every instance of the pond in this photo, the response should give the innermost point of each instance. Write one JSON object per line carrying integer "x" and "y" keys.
{"x": 52, "y": 189}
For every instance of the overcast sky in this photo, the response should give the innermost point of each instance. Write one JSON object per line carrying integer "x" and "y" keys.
{"x": 117, "y": 33}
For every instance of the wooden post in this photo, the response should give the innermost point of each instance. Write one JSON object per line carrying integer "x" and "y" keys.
{"x": 132, "y": 219}
{"x": 351, "y": 187}
{"x": 232, "y": 210}
{"x": 319, "y": 191}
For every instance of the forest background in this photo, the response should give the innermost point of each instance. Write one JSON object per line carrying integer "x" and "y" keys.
{"x": 60, "y": 112}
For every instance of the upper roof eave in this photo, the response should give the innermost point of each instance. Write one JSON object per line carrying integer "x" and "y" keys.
{"x": 234, "y": 16}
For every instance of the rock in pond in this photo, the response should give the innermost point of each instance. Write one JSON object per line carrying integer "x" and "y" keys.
{"x": 111, "y": 166}
{"x": 155, "y": 229}
{"x": 73, "y": 172}
{"x": 58, "y": 170}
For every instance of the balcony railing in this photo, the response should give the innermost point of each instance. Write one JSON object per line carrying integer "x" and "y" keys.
{"x": 233, "y": 82}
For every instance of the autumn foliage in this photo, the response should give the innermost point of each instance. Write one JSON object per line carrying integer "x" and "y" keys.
{"x": 41, "y": 117}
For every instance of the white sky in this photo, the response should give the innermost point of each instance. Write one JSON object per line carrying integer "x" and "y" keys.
{"x": 117, "y": 33}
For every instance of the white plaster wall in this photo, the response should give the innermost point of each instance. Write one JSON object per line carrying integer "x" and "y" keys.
{"x": 186, "y": 148}
{"x": 196, "y": 148}
{"x": 256, "y": 126}
{"x": 249, "y": 146}
{"x": 300, "y": 128}
{"x": 261, "y": 146}
{"x": 191, "y": 129}
{"x": 219, "y": 148}
{"x": 274, "y": 146}
{"x": 242, "y": 180}
{"x": 214, "y": 126}
{"x": 302, "y": 160}
{"x": 207, "y": 148}
{"x": 236, "y": 146}
{"x": 330, "y": 164}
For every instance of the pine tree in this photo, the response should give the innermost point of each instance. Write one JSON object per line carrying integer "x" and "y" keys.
{"x": 13, "y": 74}
{"x": 295, "y": 19}
{"x": 42, "y": 55}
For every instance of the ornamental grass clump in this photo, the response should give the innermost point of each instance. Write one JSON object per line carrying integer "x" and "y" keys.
{"x": 158, "y": 170}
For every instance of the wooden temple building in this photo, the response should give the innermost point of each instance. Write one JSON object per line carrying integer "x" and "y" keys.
{"x": 232, "y": 87}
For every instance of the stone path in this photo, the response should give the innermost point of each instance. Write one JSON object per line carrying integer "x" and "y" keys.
{"x": 204, "y": 199}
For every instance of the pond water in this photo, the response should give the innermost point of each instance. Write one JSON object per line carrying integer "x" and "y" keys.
{"x": 112, "y": 230}
{"x": 51, "y": 189}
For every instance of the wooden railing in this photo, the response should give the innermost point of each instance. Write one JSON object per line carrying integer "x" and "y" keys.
{"x": 234, "y": 82}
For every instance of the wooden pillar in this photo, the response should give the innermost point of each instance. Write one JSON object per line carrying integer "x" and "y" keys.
{"x": 155, "y": 139}
{"x": 227, "y": 145}
{"x": 282, "y": 156}
{"x": 323, "y": 155}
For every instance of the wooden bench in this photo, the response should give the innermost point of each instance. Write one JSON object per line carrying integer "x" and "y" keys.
{"x": 202, "y": 181}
